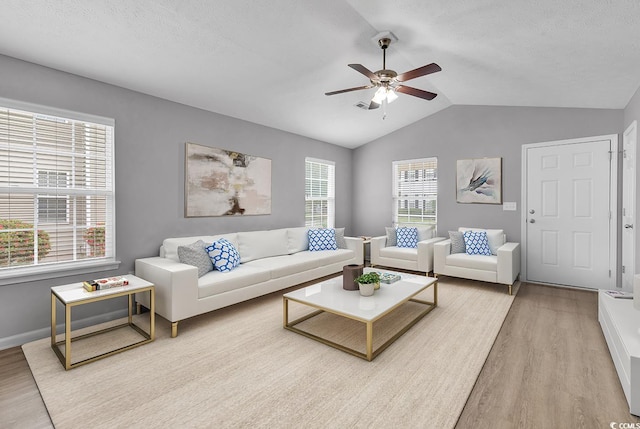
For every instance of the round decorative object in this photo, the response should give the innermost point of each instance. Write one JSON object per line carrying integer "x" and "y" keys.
{"x": 349, "y": 274}
{"x": 366, "y": 289}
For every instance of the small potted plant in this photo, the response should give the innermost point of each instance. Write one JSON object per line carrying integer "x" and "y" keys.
{"x": 368, "y": 282}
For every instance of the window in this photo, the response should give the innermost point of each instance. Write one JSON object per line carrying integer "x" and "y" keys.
{"x": 319, "y": 193}
{"x": 415, "y": 191}
{"x": 56, "y": 189}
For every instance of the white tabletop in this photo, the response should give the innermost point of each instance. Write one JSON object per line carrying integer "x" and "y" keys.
{"x": 75, "y": 292}
{"x": 330, "y": 295}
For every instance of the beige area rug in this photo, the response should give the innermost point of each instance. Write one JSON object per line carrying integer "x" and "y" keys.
{"x": 237, "y": 367}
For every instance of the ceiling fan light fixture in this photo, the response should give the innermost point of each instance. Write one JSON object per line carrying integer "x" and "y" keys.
{"x": 391, "y": 96}
{"x": 380, "y": 95}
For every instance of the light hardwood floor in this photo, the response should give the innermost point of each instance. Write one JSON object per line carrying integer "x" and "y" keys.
{"x": 549, "y": 368}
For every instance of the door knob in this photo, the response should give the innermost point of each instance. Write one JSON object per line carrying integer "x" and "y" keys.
{"x": 532, "y": 211}
{"x": 532, "y": 221}
{"x": 628, "y": 225}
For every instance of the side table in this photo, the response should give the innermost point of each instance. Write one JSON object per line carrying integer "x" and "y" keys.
{"x": 75, "y": 294}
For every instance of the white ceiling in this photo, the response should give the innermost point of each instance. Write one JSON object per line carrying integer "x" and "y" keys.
{"x": 270, "y": 62}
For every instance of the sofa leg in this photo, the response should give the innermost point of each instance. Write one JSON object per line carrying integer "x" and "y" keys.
{"x": 174, "y": 329}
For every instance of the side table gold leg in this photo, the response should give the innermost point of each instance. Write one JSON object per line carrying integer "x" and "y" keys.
{"x": 285, "y": 312}
{"x": 130, "y": 308}
{"x": 67, "y": 336}
{"x": 152, "y": 313}
{"x": 53, "y": 320}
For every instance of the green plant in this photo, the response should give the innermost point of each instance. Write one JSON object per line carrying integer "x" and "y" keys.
{"x": 17, "y": 242}
{"x": 368, "y": 278}
{"x": 94, "y": 237}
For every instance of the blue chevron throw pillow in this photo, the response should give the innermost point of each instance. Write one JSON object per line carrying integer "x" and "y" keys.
{"x": 322, "y": 239}
{"x": 477, "y": 243}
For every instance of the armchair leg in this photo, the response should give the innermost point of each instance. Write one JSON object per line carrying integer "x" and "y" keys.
{"x": 510, "y": 290}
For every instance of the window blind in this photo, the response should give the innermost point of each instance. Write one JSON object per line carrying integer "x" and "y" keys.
{"x": 56, "y": 189}
{"x": 319, "y": 193}
{"x": 415, "y": 191}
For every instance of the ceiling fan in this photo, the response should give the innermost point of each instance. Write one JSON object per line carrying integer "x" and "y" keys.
{"x": 388, "y": 82}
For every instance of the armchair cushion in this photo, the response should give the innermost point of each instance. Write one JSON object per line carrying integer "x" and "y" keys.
{"x": 496, "y": 237}
{"x": 476, "y": 243}
{"x": 391, "y": 236}
{"x": 395, "y": 252}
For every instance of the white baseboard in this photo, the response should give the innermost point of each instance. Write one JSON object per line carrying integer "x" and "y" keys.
{"x": 26, "y": 337}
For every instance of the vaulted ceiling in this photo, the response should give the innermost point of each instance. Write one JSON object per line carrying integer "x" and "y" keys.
{"x": 270, "y": 62}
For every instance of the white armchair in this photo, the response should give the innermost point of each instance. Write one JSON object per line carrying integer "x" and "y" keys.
{"x": 415, "y": 259}
{"x": 502, "y": 267}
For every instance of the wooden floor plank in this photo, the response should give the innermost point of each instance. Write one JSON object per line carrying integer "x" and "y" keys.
{"x": 21, "y": 405}
{"x": 549, "y": 367}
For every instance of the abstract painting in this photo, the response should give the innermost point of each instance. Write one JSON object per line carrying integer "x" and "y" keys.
{"x": 479, "y": 181}
{"x": 220, "y": 182}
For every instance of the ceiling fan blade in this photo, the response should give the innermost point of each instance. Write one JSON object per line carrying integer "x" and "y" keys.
{"x": 416, "y": 92}
{"x": 420, "y": 71}
{"x": 373, "y": 105}
{"x": 365, "y": 71}
{"x": 348, "y": 90}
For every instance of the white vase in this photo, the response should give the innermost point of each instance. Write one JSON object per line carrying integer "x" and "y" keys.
{"x": 366, "y": 289}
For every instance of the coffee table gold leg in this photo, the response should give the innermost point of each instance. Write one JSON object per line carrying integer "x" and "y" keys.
{"x": 130, "y": 309}
{"x": 435, "y": 293}
{"x": 67, "y": 336}
{"x": 369, "y": 341}
{"x": 285, "y": 312}
{"x": 152, "y": 314}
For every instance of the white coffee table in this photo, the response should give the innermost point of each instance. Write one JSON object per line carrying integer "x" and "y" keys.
{"x": 74, "y": 294}
{"x": 329, "y": 296}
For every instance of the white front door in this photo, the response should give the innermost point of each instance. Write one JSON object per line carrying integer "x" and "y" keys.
{"x": 568, "y": 230}
{"x": 629, "y": 205}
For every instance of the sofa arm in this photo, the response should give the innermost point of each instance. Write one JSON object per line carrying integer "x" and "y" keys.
{"x": 356, "y": 244}
{"x": 425, "y": 253}
{"x": 441, "y": 250}
{"x": 377, "y": 244}
{"x": 176, "y": 286}
{"x": 508, "y": 263}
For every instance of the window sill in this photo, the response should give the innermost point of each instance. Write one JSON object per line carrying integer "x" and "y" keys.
{"x": 31, "y": 274}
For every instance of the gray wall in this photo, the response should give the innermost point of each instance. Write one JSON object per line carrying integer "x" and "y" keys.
{"x": 461, "y": 132}
{"x": 632, "y": 113}
{"x": 150, "y": 138}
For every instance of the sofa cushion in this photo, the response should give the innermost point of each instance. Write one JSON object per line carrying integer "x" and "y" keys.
{"x": 407, "y": 237}
{"x": 322, "y": 239}
{"x": 216, "y": 282}
{"x": 298, "y": 239}
{"x": 478, "y": 262}
{"x": 495, "y": 236}
{"x": 395, "y": 252}
{"x": 169, "y": 247}
{"x": 262, "y": 244}
{"x": 328, "y": 257}
{"x": 457, "y": 242}
{"x": 224, "y": 256}
{"x": 196, "y": 255}
{"x": 476, "y": 243}
{"x": 281, "y": 266}
{"x": 391, "y": 236}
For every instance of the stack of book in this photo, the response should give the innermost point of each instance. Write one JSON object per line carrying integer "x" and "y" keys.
{"x": 106, "y": 283}
{"x": 389, "y": 278}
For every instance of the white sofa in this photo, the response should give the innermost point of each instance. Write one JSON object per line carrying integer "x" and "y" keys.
{"x": 502, "y": 267}
{"x": 270, "y": 260}
{"x": 416, "y": 259}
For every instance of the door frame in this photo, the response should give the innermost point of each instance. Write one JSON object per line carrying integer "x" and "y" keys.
{"x": 613, "y": 201}
{"x": 632, "y": 129}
